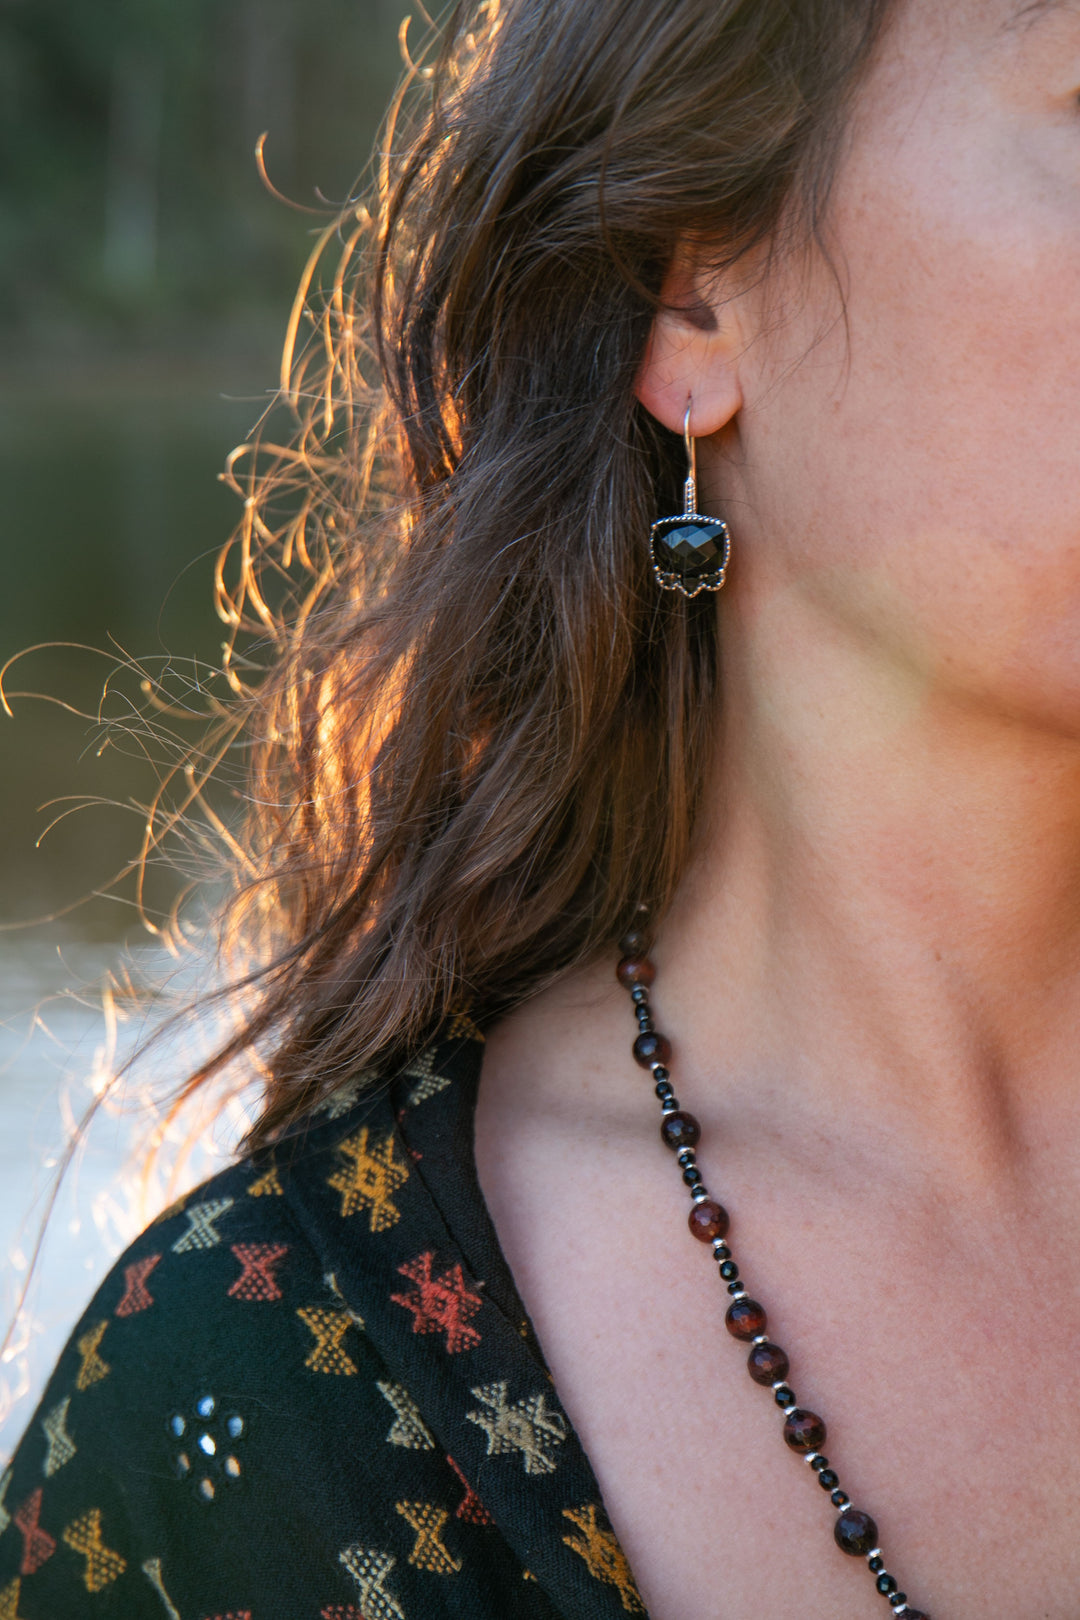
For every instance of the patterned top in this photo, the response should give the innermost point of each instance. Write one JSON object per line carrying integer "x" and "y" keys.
{"x": 310, "y": 1391}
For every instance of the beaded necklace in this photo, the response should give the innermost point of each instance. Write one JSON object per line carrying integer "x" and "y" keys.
{"x": 854, "y": 1531}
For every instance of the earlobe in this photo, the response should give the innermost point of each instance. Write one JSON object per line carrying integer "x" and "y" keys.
{"x": 691, "y": 355}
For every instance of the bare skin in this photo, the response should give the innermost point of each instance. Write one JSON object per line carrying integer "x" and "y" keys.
{"x": 872, "y": 973}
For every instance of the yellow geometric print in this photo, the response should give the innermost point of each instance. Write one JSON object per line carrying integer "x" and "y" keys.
{"x": 370, "y": 1179}
{"x": 93, "y": 1368}
{"x": 428, "y": 1553}
{"x": 462, "y": 1025}
{"x": 329, "y": 1328}
{"x": 103, "y": 1566}
{"x": 267, "y": 1185}
{"x": 603, "y": 1556}
{"x": 9, "y": 1600}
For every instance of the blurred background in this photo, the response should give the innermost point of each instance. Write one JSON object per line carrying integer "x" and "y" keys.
{"x": 146, "y": 275}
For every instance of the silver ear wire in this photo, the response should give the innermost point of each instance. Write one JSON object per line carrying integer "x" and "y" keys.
{"x": 689, "y": 554}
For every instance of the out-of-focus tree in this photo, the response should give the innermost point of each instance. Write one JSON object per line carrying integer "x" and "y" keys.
{"x": 130, "y": 209}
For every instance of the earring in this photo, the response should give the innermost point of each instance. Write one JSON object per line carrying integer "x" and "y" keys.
{"x": 689, "y": 553}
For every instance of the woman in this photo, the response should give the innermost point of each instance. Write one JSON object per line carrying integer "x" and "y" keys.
{"x": 838, "y": 242}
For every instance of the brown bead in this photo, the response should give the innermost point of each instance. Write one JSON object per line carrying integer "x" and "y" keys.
{"x": 768, "y": 1364}
{"x": 804, "y": 1431}
{"x": 855, "y": 1532}
{"x": 652, "y": 1048}
{"x": 635, "y": 970}
{"x": 745, "y": 1319}
{"x": 635, "y": 942}
{"x": 680, "y": 1130}
{"x": 708, "y": 1220}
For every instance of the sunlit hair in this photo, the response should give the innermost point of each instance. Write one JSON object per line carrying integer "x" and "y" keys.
{"x": 475, "y": 732}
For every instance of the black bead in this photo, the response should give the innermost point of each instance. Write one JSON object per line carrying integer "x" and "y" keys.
{"x": 841, "y": 1499}
{"x": 685, "y": 1156}
{"x": 729, "y": 1271}
{"x": 886, "y": 1584}
{"x": 898, "y": 1600}
{"x": 692, "y": 1177}
{"x": 639, "y": 995}
{"x": 722, "y": 1252}
{"x": 652, "y": 1048}
{"x": 663, "y": 1090}
{"x": 734, "y": 1287}
{"x": 828, "y": 1479}
{"x": 876, "y": 1563}
{"x": 671, "y": 1103}
{"x": 660, "y": 1073}
{"x": 645, "y": 1024}
{"x": 785, "y": 1396}
{"x": 819, "y": 1463}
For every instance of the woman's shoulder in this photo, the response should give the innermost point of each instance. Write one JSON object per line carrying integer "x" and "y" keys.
{"x": 222, "y": 1435}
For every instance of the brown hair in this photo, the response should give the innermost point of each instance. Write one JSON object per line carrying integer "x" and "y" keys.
{"x": 482, "y": 733}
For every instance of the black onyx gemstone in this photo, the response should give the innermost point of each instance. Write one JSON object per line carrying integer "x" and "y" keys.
{"x": 691, "y": 548}
{"x": 828, "y": 1479}
{"x": 885, "y": 1585}
{"x": 877, "y": 1563}
{"x": 855, "y": 1532}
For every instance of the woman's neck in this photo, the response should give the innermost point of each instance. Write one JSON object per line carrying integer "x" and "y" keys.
{"x": 884, "y": 913}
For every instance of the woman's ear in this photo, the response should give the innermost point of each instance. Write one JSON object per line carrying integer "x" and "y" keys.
{"x": 692, "y": 354}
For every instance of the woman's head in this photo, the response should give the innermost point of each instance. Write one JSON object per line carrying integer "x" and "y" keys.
{"x": 486, "y": 735}
{"x": 901, "y": 465}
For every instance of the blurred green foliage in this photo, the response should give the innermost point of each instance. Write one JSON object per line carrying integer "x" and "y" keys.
{"x": 145, "y": 278}
{"x": 130, "y": 207}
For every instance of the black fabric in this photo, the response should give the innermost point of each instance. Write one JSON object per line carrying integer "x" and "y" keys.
{"x": 310, "y": 1391}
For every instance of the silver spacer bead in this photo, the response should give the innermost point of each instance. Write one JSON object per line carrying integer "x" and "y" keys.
{"x": 740, "y": 1293}
{"x": 875, "y": 1552}
{"x": 811, "y": 1457}
{"x": 699, "y": 1195}
{"x": 669, "y": 1106}
{"x": 762, "y": 1338}
{"x": 781, "y": 1383}
{"x": 789, "y": 1409}
{"x": 657, "y": 1065}
{"x": 718, "y": 1243}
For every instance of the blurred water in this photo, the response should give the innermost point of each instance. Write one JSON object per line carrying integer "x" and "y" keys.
{"x": 60, "y": 1047}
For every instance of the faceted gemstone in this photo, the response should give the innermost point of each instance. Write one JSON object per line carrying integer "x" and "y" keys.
{"x": 805, "y": 1432}
{"x": 689, "y": 547}
{"x": 708, "y": 1220}
{"x": 633, "y": 970}
{"x": 766, "y": 1364}
{"x": 652, "y": 1048}
{"x": 745, "y": 1319}
{"x": 680, "y": 1130}
{"x": 855, "y": 1532}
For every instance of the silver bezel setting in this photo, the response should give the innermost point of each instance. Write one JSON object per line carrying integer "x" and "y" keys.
{"x": 713, "y": 581}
